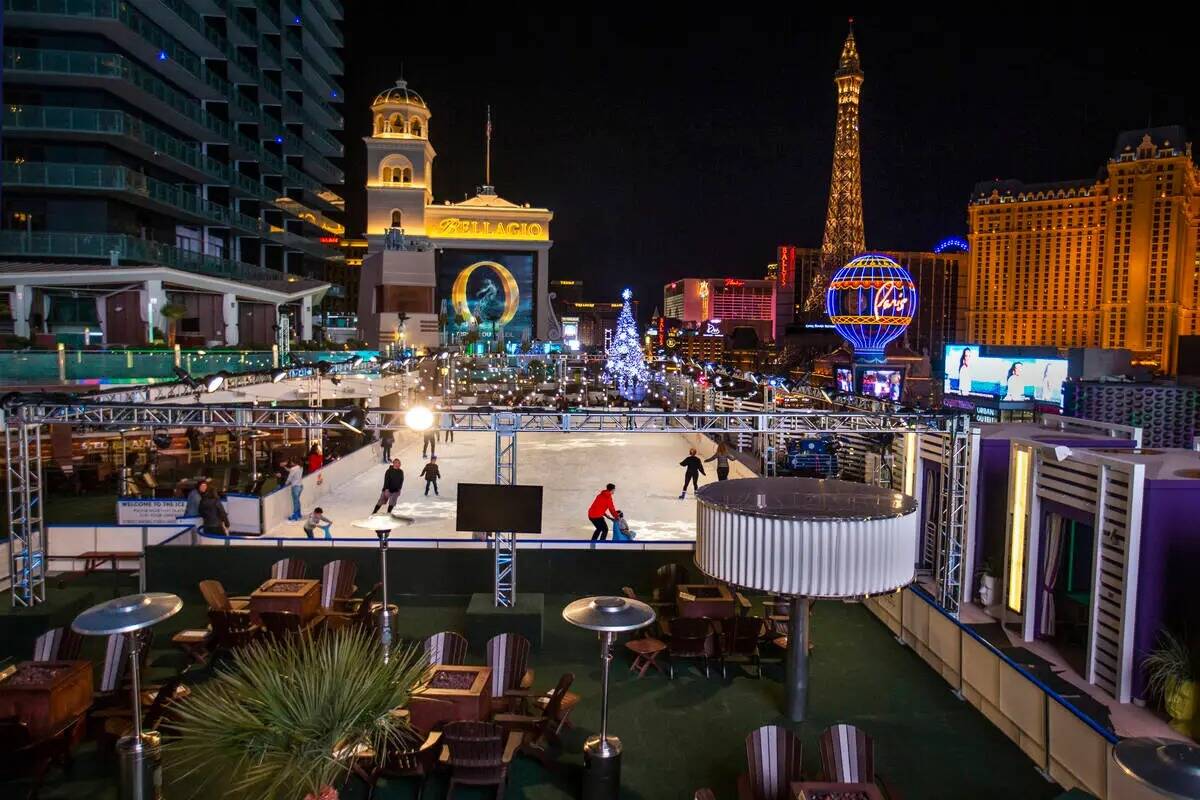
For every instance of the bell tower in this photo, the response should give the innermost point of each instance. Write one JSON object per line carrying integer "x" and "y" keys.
{"x": 399, "y": 165}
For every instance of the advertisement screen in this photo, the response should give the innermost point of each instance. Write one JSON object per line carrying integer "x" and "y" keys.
{"x": 1013, "y": 378}
{"x": 485, "y": 290}
{"x": 882, "y": 384}
{"x": 845, "y": 380}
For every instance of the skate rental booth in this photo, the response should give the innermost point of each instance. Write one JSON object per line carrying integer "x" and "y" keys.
{"x": 1100, "y": 554}
{"x": 990, "y": 469}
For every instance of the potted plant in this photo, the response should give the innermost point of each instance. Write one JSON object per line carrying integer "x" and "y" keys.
{"x": 1171, "y": 678}
{"x": 172, "y": 313}
{"x": 284, "y": 719}
{"x": 987, "y": 584}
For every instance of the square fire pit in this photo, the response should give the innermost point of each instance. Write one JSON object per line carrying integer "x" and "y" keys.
{"x": 705, "y": 600}
{"x": 300, "y": 597}
{"x": 47, "y": 694}
{"x": 450, "y": 693}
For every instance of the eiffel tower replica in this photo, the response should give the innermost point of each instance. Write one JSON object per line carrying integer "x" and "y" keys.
{"x": 844, "y": 237}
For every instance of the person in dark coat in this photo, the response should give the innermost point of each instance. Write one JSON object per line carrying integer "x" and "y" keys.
{"x": 694, "y": 469}
{"x": 431, "y": 473}
{"x": 385, "y": 443}
{"x": 393, "y": 482}
{"x": 212, "y": 514}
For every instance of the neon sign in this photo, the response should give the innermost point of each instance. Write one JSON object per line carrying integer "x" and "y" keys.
{"x": 702, "y": 289}
{"x": 713, "y": 328}
{"x": 870, "y": 302}
{"x": 458, "y": 228}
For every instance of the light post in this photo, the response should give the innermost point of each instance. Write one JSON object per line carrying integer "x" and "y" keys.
{"x": 140, "y": 754}
{"x": 383, "y": 525}
{"x": 607, "y": 616}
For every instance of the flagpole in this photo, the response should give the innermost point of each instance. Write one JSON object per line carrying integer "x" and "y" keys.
{"x": 488, "y": 157}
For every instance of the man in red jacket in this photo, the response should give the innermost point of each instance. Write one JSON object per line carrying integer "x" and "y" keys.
{"x": 601, "y": 508}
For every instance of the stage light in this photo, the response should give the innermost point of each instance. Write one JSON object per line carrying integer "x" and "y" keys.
{"x": 419, "y": 418}
{"x": 185, "y": 378}
{"x": 323, "y": 367}
{"x": 215, "y": 381}
{"x": 278, "y": 374}
{"x": 353, "y": 419}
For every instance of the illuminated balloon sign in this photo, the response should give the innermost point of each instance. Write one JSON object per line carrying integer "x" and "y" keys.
{"x": 870, "y": 302}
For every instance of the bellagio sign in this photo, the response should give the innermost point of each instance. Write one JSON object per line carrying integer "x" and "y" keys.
{"x": 459, "y": 228}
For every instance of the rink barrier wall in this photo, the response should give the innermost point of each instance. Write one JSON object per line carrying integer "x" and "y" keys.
{"x": 178, "y": 566}
{"x": 1063, "y": 742}
{"x": 277, "y": 506}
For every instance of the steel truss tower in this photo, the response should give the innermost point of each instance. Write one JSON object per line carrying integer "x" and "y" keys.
{"x": 844, "y": 237}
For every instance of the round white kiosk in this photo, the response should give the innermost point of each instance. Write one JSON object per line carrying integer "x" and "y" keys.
{"x": 805, "y": 538}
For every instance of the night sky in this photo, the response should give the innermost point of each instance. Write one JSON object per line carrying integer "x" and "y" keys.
{"x": 694, "y": 148}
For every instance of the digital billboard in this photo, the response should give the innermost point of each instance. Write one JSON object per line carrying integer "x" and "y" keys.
{"x": 1014, "y": 378}
{"x": 845, "y": 380}
{"x": 485, "y": 290}
{"x": 882, "y": 384}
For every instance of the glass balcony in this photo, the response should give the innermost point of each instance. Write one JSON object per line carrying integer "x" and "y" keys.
{"x": 113, "y": 65}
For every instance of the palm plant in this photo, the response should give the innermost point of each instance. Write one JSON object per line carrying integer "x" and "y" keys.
{"x": 172, "y": 313}
{"x": 285, "y": 718}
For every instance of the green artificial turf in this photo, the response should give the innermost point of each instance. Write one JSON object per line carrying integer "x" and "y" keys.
{"x": 689, "y": 733}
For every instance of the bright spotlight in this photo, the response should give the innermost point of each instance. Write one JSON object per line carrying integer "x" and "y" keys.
{"x": 215, "y": 381}
{"x": 419, "y": 418}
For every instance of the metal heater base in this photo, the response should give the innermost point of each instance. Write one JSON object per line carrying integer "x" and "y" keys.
{"x": 602, "y": 768}
{"x": 140, "y": 767}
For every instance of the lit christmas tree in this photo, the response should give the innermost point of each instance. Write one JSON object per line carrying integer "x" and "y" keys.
{"x": 626, "y": 364}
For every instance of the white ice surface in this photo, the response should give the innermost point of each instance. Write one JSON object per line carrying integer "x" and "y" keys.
{"x": 572, "y": 468}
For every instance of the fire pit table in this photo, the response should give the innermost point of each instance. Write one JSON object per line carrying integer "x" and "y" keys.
{"x": 449, "y": 693}
{"x": 299, "y": 596}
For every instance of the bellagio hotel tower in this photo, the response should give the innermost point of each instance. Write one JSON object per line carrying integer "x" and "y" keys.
{"x": 1109, "y": 262}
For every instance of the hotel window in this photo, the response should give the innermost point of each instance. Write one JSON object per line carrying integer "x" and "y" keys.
{"x": 397, "y": 219}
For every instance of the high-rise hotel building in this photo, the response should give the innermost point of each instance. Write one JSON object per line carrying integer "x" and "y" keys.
{"x": 196, "y": 136}
{"x": 1107, "y": 262}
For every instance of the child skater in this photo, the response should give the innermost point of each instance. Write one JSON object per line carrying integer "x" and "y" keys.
{"x": 431, "y": 473}
{"x": 315, "y": 520}
{"x": 621, "y": 531}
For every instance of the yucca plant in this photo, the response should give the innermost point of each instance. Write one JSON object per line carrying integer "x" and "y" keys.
{"x": 1168, "y": 665}
{"x": 281, "y": 721}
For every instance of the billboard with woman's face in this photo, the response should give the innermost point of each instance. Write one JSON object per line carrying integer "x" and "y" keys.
{"x": 1007, "y": 378}
{"x": 487, "y": 290}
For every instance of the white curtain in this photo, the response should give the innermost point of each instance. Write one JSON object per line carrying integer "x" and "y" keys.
{"x": 1054, "y": 542}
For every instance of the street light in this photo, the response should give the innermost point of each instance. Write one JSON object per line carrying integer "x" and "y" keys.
{"x": 608, "y": 616}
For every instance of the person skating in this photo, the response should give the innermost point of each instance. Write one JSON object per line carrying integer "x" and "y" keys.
{"x": 621, "y": 530}
{"x": 694, "y": 470}
{"x": 393, "y": 482}
{"x": 722, "y": 459}
{"x": 213, "y": 517}
{"x": 317, "y": 519}
{"x": 429, "y": 443}
{"x": 295, "y": 481}
{"x": 431, "y": 473}
{"x": 601, "y": 509}
{"x": 385, "y": 443}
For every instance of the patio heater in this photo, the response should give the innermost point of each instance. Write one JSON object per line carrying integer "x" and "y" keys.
{"x": 1165, "y": 767}
{"x": 805, "y": 538}
{"x": 608, "y": 616}
{"x": 383, "y": 525}
{"x": 139, "y": 753}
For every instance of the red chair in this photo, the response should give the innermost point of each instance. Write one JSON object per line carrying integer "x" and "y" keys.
{"x": 773, "y": 755}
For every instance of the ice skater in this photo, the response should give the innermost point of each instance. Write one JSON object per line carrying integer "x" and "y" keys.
{"x": 317, "y": 519}
{"x": 429, "y": 443}
{"x": 602, "y": 509}
{"x": 295, "y": 481}
{"x": 393, "y": 482}
{"x": 694, "y": 469}
{"x": 722, "y": 459}
{"x": 431, "y": 473}
{"x": 385, "y": 443}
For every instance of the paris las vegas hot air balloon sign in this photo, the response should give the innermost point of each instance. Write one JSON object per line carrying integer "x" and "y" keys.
{"x": 870, "y": 302}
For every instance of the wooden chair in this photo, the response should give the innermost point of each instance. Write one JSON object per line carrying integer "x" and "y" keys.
{"x": 690, "y": 638}
{"x": 773, "y": 755}
{"x": 848, "y": 756}
{"x": 286, "y": 624}
{"x": 21, "y": 754}
{"x": 116, "y": 664}
{"x": 232, "y": 629}
{"x": 478, "y": 754}
{"x": 337, "y": 585}
{"x": 739, "y": 639}
{"x": 446, "y": 647}
{"x": 666, "y": 579}
{"x": 704, "y": 794}
{"x": 540, "y": 729}
{"x": 508, "y": 656}
{"x": 289, "y": 569}
{"x": 663, "y": 610}
{"x": 57, "y": 644}
{"x": 401, "y": 762}
{"x": 121, "y": 723}
{"x": 214, "y": 595}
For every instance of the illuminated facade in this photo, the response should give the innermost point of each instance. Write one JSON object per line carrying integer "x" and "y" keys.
{"x": 478, "y": 267}
{"x": 1109, "y": 262}
{"x": 726, "y": 301}
{"x": 844, "y": 234}
{"x": 941, "y": 283}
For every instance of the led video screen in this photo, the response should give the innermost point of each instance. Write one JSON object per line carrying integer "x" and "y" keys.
{"x": 499, "y": 507}
{"x": 485, "y": 290}
{"x": 845, "y": 380}
{"x": 1007, "y": 378}
{"x": 882, "y": 384}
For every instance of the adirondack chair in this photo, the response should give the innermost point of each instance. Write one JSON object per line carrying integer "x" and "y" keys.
{"x": 478, "y": 754}
{"x": 289, "y": 569}
{"x": 337, "y": 585}
{"x": 508, "y": 656}
{"x": 848, "y": 756}
{"x": 773, "y": 756}
{"x": 214, "y": 595}
{"x": 540, "y": 728}
{"x": 57, "y": 644}
{"x": 446, "y": 647}
{"x": 401, "y": 762}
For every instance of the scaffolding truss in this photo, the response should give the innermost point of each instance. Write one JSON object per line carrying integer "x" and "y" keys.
{"x": 27, "y": 535}
{"x": 956, "y": 444}
{"x": 504, "y": 543}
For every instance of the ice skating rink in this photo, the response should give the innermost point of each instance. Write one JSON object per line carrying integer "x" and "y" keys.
{"x": 571, "y": 468}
